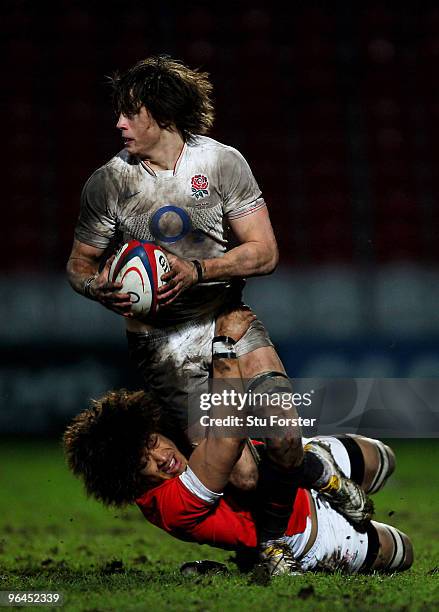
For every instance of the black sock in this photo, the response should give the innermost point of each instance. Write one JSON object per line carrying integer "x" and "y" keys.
{"x": 312, "y": 469}
{"x": 276, "y": 492}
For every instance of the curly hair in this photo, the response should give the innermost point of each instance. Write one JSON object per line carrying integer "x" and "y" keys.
{"x": 104, "y": 444}
{"x": 173, "y": 93}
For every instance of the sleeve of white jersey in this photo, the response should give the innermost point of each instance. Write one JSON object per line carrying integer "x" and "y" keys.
{"x": 96, "y": 224}
{"x": 240, "y": 191}
{"x": 197, "y": 488}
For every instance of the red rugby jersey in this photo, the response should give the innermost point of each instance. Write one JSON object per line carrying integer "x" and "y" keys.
{"x": 225, "y": 524}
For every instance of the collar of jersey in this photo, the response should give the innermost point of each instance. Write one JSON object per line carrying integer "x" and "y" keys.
{"x": 166, "y": 173}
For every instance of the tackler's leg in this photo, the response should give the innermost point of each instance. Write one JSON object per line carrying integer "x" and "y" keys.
{"x": 389, "y": 549}
{"x": 372, "y": 461}
{"x": 366, "y": 461}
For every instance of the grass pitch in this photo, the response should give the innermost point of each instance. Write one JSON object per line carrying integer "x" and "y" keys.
{"x": 53, "y": 538}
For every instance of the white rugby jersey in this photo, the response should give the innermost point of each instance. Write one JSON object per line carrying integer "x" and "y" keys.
{"x": 185, "y": 210}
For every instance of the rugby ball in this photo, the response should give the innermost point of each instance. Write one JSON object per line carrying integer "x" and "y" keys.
{"x": 139, "y": 266}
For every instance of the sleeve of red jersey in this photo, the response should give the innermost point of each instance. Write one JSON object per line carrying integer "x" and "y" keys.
{"x": 172, "y": 506}
{"x": 240, "y": 191}
{"x": 183, "y": 514}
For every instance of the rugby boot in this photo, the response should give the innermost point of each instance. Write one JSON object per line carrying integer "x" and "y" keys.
{"x": 344, "y": 495}
{"x": 277, "y": 558}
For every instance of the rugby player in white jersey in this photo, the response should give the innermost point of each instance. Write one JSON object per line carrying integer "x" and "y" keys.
{"x": 193, "y": 196}
{"x": 198, "y": 199}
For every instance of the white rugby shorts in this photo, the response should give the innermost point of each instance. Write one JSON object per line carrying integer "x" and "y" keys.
{"x": 338, "y": 545}
{"x": 176, "y": 360}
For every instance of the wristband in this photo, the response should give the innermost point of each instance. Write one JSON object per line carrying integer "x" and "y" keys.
{"x": 87, "y": 284}
{"x": 225, "y": 339}
{"x": 199, "y": 269}
{"x": 225, "y": 355}
{"x": 223, "y": 348}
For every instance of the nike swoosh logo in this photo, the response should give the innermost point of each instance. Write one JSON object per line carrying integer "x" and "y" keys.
{"x": 131, "y": 195}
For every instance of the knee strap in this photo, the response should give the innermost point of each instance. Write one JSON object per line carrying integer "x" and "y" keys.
{"x": 356, "y": 458}
{"x": 271, "y": 382}
{"x": 383, "y": 471}
{"x": 399, "y": 551}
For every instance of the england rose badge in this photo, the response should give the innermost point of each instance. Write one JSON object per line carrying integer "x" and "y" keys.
{"x": 199, "y": 186}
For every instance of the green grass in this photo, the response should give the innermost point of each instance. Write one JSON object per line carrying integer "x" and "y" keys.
{"x": 53, "y": 538}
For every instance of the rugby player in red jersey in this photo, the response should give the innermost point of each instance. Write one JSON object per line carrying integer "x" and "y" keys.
{"x": 126, "y": 452}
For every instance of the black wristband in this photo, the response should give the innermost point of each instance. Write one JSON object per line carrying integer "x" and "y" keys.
{"x": 228, "y": 355}
{"x": 222, "y": 348}
{"x": 199, "y": 269}
{"x": 224, "y": 339}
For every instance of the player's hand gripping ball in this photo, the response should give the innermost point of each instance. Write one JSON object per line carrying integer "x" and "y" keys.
{"x": 139, "y": 266}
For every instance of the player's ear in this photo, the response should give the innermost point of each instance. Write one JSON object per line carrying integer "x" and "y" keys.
{"x": 153, "y": 441}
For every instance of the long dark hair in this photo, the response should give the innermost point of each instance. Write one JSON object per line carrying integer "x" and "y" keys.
{"x": 104, "y": 444}
{"x": 173, "y": 93}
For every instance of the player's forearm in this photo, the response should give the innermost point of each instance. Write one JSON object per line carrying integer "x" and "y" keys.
{"x": 215, "y": 457}
{"x": 79, "y": 271}
{"x": 248, "y": 259}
